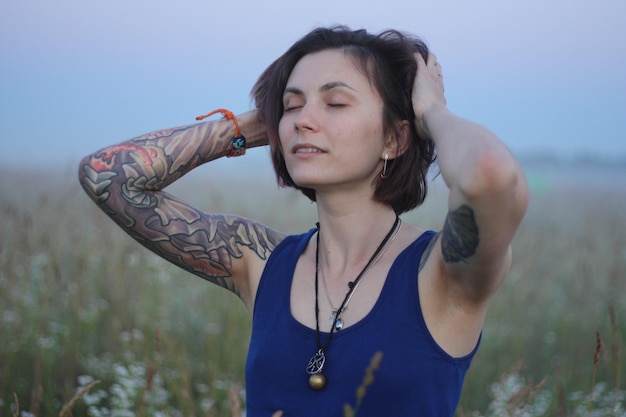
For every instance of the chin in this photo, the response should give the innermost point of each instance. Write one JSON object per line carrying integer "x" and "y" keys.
{"x": 308, "y": 178}
{"x": 306, "y": 183}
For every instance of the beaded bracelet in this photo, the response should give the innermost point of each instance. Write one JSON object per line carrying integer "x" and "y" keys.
{"x": 237, "y": 145}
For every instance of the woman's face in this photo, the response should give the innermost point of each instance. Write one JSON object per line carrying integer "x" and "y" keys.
{"x": 331, "y": 131}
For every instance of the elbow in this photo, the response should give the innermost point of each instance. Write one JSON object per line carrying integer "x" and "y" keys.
{"x": 88, "y": 169}
{"x": 87, "y": 177}
{"x": 493, "y": 171}
{"x": 95, "y": 177}
{"x": 497, "y": 174}
{"x": 81, "y": 171}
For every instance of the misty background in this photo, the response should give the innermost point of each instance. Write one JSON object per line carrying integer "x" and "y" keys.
{"x": 549, "y": 77}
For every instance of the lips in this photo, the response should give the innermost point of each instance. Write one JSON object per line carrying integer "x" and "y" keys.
{"x": 306, "y": 148}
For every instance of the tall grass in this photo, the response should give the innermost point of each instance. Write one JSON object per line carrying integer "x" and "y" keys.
{"x": 568, "y": 282}
{"x": 81, "y": 302}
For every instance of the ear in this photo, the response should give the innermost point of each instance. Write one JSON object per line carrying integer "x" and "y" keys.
{"x": 397, "y": 143}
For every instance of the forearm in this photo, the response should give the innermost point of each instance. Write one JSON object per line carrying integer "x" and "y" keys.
{"x": 472, "y": 159}
{"x": 487, "y": 200}
{"x": 163, "y": 156}
{"x": 487, "y": 197}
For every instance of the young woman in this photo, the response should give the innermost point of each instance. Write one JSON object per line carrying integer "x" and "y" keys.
{"x": 353, "y": 120}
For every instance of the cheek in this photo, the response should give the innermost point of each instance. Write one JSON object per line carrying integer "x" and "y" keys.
{"x": 375, "y": 127}
{"x": 367, "y": 131}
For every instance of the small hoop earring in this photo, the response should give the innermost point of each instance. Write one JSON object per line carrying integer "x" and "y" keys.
{"x": 383, "y": 175}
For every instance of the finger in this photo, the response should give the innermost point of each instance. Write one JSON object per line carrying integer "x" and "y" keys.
{"x": 420, "y": 60}
{"x": 432, "y": 60}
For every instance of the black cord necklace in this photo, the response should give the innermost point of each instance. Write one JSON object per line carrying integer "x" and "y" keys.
{"x": 317, "y": 380}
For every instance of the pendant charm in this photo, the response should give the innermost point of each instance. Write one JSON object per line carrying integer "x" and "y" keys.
{"x": 335, "y": 321}
{"x": 338, "y": 324}
{"x": 317, "y": 381}
{"x": 316, "y": 363}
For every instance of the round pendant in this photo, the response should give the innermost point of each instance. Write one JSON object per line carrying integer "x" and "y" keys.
{"x": 338, "y": 324}
{"x": 317, "y": 381}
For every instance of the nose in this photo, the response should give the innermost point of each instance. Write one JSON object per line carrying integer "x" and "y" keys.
{"x": 305, "y": 118}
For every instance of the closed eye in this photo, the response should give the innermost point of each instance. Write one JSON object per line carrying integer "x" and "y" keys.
{"x": 291, "y": 108}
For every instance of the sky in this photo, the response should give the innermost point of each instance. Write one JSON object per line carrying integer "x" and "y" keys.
{"x": 78, "y": 75}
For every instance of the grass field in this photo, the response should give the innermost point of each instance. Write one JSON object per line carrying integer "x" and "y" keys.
{"x": 81, "y": 304}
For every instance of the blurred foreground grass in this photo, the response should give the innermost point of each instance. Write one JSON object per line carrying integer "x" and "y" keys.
{"x": 80, "y": 302}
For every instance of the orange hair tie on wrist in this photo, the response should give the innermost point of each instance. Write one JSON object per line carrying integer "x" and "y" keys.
{"x": 238, "y": 142}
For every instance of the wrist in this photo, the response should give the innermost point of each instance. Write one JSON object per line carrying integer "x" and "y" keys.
{"x": 253, "y": 129}
{"x": 425, "y": 119}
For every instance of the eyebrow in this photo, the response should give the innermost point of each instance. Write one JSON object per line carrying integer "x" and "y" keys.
{"x": 326, "y": 87}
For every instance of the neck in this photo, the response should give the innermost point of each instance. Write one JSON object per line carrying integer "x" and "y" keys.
{"x": 353, "y": 284}
{"x": 349, "y": 237}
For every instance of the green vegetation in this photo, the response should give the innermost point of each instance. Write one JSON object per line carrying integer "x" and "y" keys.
{"x": 84, "y": 306}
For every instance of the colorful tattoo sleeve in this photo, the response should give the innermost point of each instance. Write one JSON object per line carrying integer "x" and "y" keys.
{"x": 126, "y": 180}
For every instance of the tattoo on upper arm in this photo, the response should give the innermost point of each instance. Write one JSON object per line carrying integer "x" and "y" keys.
{"x": 459, "y": 237}
{"x": 205, "y": 245}
{"x": 202, "y": 244}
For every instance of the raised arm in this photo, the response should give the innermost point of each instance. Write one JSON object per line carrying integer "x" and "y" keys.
{"x": 127, "y": 180}
{"x": 488, "y": 195}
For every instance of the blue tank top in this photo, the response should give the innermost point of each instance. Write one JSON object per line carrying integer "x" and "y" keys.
{"x": 415, "y": 376}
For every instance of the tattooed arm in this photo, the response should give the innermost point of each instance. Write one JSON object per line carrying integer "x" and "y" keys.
{"x": 487, "y": 193}
{"x": 127, "y": 180}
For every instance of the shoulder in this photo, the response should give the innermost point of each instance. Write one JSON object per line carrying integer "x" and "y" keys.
{"x": 287, "y": 249}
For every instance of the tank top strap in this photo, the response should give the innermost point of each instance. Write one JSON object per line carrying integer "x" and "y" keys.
{"x": 278, "y": 273}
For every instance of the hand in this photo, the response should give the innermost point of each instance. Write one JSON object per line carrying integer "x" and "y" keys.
{"x": 254, "y": 130}
{"x": 428, "y": 90}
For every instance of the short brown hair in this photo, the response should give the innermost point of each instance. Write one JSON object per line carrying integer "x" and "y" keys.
{"x": 387, "y": 60}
